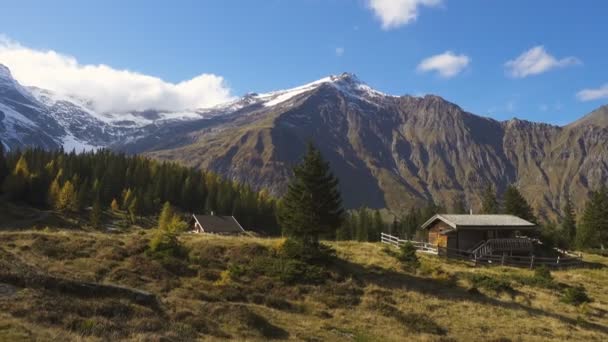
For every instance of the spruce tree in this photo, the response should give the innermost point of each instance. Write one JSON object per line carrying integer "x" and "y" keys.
{"x": 592, "y": 230}
{"x": 96, "y": 214}
{"x": 133, "y": 210}
{"x": 489, "y": 202}
{"x": 165, "y": 217}
{"x": 568, "y": 225}
{"x": 515, "y": 204}
{"x": 378, "y": 226}
{"x": 312, "y": 206}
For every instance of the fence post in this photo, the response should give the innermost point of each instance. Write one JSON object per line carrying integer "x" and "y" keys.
{"x": 532, "y": 262}
{"x": 502, "y": 261}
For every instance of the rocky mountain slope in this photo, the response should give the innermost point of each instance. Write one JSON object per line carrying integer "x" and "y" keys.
{"x": 397, "y": 152}
{"x": 388, "y": 151}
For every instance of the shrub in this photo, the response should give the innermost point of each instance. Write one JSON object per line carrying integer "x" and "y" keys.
{"x": 287, "y": 270}
{"x": 172, "y": 255}
{"x": 575, "y": 295}
{"x": 314, "y": 253}
{"x": 407, "y": 256}
{"x": 490, "y": 283}
{"x": 543, "y": 273}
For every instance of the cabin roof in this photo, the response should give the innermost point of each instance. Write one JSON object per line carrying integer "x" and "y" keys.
{"x": 480, "y": 221}
{"x": 219, "y": 224}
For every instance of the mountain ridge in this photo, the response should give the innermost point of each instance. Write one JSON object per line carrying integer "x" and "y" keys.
{"x": 388, "y": 151}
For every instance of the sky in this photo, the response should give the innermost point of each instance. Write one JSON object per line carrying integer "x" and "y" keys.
{"x": 542, "y": 60}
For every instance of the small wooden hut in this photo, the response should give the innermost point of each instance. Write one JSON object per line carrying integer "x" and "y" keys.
{"x": 468, "y": 233}
{"x": 214, "y": 224}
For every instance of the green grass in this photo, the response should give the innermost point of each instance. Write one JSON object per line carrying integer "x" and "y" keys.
{"x": 230, "y": 288}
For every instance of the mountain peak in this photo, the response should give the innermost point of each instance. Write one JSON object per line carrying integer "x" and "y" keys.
{"x": 345, "y": 77}
{"x": 598, "y": 117}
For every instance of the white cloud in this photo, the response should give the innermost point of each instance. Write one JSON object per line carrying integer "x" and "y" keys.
{"x": 536, "y": 61}
{"x": 395, "y": 13}
{"x": 593, "y": 94}
{"x": 339, "y": 51}
{"x": 111, "y": 90}
{"x": 446, "y": 64}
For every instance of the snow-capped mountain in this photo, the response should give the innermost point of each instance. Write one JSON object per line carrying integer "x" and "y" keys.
{"x": 31, "y": 116}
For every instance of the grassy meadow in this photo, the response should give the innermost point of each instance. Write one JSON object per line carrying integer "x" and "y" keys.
{"x": 209, "y": 294}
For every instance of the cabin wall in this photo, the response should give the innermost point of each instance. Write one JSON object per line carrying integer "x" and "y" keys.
{"x": 435, "y": 237}
{"x": 469, "y": 238}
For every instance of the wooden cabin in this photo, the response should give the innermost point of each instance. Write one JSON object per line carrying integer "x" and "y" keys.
{"x": 468, "y": 233}
{"x": 214, "y": 224}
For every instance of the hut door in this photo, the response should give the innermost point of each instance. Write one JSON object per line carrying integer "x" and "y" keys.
{"x": 442, "y": 240}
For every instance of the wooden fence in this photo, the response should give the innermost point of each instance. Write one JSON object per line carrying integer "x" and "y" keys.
{"x": 397, "y": 242}
{"x": 489, "y": 260}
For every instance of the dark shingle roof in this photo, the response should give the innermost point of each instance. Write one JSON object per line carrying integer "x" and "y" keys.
{"x": 219, "y": 224}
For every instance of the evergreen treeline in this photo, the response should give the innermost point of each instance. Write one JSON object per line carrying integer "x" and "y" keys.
{"x": 588, "y": 232}
{"x": 71, "y": 182}
{"x": 366, "y": 224}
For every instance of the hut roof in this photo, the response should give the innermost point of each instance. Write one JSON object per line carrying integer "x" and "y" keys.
{"x": 219, "y": 224}
{"x": 480, "y": 222}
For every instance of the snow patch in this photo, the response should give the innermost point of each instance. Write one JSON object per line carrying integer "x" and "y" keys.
{"x": 16, "y": 117}
{"x": 71, "y": 143}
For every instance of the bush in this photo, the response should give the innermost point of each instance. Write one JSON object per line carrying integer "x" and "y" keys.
{"x": 575, "y": 296}
{"x": 407, "y": 256}
{"x": 542, "y": 278}
{"x": 314, "y": 253}
{"x": 543, "y": 273}
{"x": 286, "y": 270}
{"x": 165, "y": 243}
{"x": 490, "y": 283}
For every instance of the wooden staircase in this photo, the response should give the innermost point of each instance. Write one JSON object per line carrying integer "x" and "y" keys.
{"x": 493, "y": 246}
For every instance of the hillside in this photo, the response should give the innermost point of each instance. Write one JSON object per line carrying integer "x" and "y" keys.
{"x": 366, "y": 297}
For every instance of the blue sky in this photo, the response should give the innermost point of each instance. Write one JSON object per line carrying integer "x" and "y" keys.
{"x": 267, "y": 45}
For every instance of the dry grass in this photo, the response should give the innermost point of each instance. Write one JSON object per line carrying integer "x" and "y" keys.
{"x": 367, "y": 296}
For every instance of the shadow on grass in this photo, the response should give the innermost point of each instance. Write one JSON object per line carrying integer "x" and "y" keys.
{"x": 389, "y": 280}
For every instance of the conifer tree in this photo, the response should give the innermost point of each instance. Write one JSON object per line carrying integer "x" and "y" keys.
{"x": 312, "y": 206}
{"x": 53, "y": 194}
{"x": 96, "y": 214}
{"x": 82, "y": 198}
{"x": 16, "y": 184}
{"x": 569, "y": 221}
{"x": 489, "y": 202}
{"x": 133, "y": 210}
{"x": 127, "y": 197}
{"x": 592, "y": 230}
{"x": 165, "y": 217}
{"x": 378, "y": 226}
{"x": 515, "y": 204}
{"x": 114, "y": 205}
{"x": 67, "y": 197}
